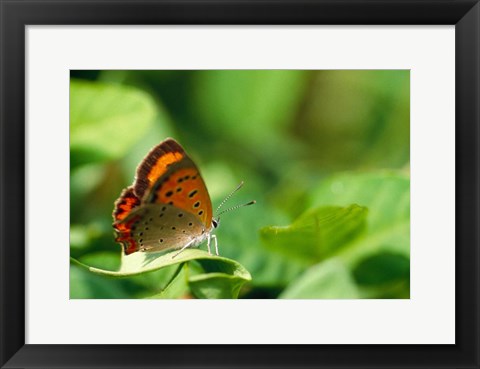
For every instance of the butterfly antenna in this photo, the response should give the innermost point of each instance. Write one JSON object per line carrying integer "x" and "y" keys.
{"x": 230, "y": 195}
{"x": 236, "y": 207}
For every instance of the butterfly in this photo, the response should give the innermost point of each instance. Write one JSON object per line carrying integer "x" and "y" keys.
{"x": 168, "y": 206}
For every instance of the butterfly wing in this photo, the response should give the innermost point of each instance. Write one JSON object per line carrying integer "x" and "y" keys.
{"x": 126, "y": 205}
{"x": 157, "y": 227}
{"x": 168, "y": 176}
{"x": 168, "y": 184}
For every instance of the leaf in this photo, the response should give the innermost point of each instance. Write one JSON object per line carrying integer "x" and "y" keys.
{"x": 106, "y": 120}
{"x": 177, "y": 286}
{"x": 379, "y": 254}
{"x": 327, "y": 280}
{"x": 382, "y": 268}
{"x": 317, "y": 233}
{"x": 211, "y": 280}
{"x": 219, "y": 280}
{"x": 140, "y": 262}
{"x": 219, "y": 277}
{"x": 216, "y": 286}
{"x": 387, "y": 197}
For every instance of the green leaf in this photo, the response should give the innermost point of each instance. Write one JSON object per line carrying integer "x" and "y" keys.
{"x": 219, "y": 277}
{"x": 106, "y": 120}
{"x": 317, "y": 233}
{"x": 218, "y": 280}
{"x": 387, "y": 197}
{"x": 177, "y": 286}
{"x": 141, "y": 262}
{"x": 207, "y": 279}
{"x": 374, "y": 247}
{"x": 327, "y": 280}
{"x": 381, "y": 269}
{"x": 216, "y": 286}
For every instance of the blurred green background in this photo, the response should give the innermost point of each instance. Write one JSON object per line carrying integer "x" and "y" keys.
{"x": 324, "y": 153}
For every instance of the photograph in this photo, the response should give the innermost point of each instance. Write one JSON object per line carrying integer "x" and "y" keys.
{"x": 239, "y": 184}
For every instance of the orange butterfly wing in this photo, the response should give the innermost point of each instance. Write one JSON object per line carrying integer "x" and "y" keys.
{"x": 124, "y": 206}
{"x": 168, "y": 176}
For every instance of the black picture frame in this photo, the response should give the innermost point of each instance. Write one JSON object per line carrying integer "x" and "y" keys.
{"x": 15, "y": 15}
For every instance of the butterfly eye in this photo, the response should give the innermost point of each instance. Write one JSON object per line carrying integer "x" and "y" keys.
{"x": 215, "y": 223}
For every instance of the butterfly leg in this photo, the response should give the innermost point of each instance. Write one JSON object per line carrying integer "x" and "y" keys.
{"x": 208, "y": 245}
{"x": 183, "y": 248}
{"x": 216, "y": 243}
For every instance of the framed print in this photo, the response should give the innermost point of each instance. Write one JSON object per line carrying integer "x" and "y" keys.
{"x": 240, "y": 184}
